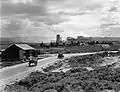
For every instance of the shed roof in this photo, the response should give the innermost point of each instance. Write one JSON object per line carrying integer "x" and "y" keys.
{"x": 24, "y": 46}
{"x": 105, "y": 46}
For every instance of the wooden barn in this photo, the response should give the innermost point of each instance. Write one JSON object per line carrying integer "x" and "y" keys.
{"x": 16, "y": 52}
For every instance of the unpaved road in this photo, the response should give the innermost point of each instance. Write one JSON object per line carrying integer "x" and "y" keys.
{"x": 10, "y": 74}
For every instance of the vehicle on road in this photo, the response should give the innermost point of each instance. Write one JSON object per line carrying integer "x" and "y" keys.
{"x": 60, "y": 56}
{"x": 33, "y": 59}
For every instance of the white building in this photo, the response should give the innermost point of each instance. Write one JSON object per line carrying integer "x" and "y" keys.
{"x": 82, "y": 39}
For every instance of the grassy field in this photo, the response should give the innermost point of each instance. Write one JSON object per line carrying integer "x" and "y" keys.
{"x": 77, "y": 79}
{"x": 84, "y": 48}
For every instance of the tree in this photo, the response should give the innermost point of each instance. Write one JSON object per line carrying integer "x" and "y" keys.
{"x": 92, "y": 42}
{"x": 57, "y": 44}
{"x": 78, "y": 43}
{"x": 51, "y": 44}
{"x": 42, "y": 44}
{"x": 97, "y": 42}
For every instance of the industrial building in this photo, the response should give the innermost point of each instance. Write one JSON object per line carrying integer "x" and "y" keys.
{"x": 58, "y": 38}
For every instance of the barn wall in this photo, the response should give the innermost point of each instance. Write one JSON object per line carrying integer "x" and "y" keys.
{"x": 21, "y": 54}
{"x": 11, "y": 53}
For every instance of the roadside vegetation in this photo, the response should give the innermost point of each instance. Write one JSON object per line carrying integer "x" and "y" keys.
{"x": 77, "y": 79}
{"x": 91, "y": 61}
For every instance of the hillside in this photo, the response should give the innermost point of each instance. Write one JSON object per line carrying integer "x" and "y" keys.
{"x": 77, "y": 79}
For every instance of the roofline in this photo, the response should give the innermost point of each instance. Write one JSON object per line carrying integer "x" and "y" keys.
{"x": 23, "y": 49}
{"x": 19, "y": 47}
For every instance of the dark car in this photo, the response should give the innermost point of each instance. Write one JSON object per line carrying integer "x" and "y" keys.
{"x": 60, "y": 55}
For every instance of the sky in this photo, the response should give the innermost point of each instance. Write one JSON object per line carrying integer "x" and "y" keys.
{"x": 46, "y": 18}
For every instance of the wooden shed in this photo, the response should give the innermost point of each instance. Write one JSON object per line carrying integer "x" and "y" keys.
{"x": 16, "y": 52}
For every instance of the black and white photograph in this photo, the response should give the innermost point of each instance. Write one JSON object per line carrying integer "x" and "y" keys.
{"x": 59, "y": 45}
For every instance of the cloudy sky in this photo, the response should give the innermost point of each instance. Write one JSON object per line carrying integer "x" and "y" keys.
{"x": 46, "y": 18}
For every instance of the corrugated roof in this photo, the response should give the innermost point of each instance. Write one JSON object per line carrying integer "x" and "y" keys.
{"x": 24, "y": 46}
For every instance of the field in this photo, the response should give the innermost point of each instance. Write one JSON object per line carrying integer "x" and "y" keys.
{"x": 84, "y": 48}
{"x": 79, "y": 78}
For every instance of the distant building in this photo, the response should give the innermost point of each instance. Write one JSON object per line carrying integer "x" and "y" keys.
{"x": 101, "y": 39}
{"x": 58, "y": 38}
{"x": 70, "y": 40}
{"x": 116, "y": 42}
{"x": 47, "y": 44}
{"x": 82, "y": 39}
{"x": 16, "y": 52}
{"x": 79, "y": 39}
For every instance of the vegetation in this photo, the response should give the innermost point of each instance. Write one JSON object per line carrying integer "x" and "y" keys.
{"x": 78, "y": 79}
{"x": 77, "y": 61}
{"x": 86, "y": 60}
{"x": 54, "y": 66}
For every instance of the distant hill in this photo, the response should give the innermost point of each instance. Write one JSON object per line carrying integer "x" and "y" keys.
{"x": 7, "y": 41}
{"x": 12, "y": 40}
{"x": 32, "y": 41}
